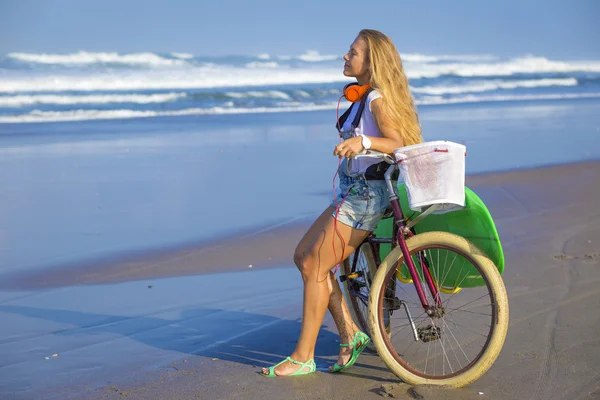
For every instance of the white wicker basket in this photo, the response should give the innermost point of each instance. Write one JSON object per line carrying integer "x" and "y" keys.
{"x": 434, "y": 173}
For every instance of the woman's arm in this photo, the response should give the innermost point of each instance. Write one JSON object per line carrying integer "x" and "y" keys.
{"x": 391, "y": 140}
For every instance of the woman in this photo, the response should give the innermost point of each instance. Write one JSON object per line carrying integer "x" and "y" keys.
{"x": 388, "y": 121}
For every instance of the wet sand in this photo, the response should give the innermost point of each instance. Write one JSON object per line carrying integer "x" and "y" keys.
{"x": 197, "y": 323}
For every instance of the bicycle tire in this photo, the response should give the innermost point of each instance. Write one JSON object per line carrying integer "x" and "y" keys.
{"x": 498, "y": 317}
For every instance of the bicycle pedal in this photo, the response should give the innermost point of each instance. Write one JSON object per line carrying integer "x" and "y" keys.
{"x": 354, "y": 275}
{"x": 429, "y": 333}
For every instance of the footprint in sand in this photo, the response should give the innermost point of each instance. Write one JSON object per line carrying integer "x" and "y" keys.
{"x": 586, "y": 256}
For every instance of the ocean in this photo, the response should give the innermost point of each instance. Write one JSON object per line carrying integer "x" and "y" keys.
{"x": 90, "y": 86}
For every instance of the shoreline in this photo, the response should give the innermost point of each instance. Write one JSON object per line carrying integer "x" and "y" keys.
{"x": 256, "y": 248}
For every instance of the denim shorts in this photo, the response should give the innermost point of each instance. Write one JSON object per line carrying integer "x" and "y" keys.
{"x": 364, "y": 204}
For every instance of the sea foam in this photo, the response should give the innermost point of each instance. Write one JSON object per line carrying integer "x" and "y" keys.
{"x": 37, "y": 116}
{"x": 84, "y": 57}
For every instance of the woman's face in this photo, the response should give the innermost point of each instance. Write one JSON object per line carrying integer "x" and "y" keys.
{"x": 357, "y": 60}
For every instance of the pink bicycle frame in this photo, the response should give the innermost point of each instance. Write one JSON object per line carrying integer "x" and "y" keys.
{"x": 398, "y": 240}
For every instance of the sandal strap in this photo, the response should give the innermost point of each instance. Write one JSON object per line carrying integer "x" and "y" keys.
{"x": 358, "y": 337}
{"x": 310, "y": 364}
{"x": 298, "y": 362}
{"x": 290, "y": 359}
{"x": 356, "y": 350}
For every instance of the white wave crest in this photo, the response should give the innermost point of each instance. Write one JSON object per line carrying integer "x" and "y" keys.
{"x": 483, "y": 86}
{"x": 258, "y": 64}
{"x": 314, "y": 56}
{"x": 85, "y": 58}
{"x": 524, "y": 65}
{"x": 208, "y": 76}
{"x": 302, "y": 93}
{"x": 422, "y": 58}
{"x": 266, "y": 94}
{"x": 264, "y": 74}
{"x": 38, "y": 116}
{"x": 263, "y": 56}
{"x": 432, "y": 100}
{"x": 183, "y": 56}
{"x": 83, "y": 115}
{"x": 20, "y": 101}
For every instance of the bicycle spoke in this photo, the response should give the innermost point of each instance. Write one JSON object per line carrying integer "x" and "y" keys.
{"x": 458, "y": 326}
{"x": 472, "y": 301}
{"x": 457, "y": 342}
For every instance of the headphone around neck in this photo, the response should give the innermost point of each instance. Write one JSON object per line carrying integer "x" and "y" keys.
{"x": 353, "y": 92}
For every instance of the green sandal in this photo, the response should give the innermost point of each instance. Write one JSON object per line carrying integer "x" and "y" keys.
{"x": 358, "y": 337}
{"x": 310, "y": 364}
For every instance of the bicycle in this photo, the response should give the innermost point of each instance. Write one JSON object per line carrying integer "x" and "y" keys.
{"x": 409, "y": 303}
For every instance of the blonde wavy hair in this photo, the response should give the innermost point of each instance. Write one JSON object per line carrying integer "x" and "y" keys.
{"x": 388, "y": 77}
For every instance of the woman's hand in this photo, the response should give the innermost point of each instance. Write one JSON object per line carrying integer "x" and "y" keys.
{"x": 349, "y": 147}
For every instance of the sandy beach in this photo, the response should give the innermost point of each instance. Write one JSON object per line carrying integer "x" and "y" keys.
{"x": 171, "y": 325}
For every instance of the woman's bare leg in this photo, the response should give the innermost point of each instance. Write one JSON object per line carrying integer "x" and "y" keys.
{"x": 315, "y": 264}
{"x": 343, "y": 320}
{"x": 337, "y": 305}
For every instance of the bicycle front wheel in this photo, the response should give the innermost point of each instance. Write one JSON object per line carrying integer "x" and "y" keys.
{"x": 452, "y": 344}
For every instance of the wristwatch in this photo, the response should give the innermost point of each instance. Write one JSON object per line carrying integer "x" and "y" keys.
{"x": 366, "y": 142}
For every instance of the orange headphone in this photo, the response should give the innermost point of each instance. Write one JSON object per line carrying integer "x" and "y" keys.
{"x": 353, "y": 92}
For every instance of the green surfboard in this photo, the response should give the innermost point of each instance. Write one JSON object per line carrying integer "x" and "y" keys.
{"x": 473, "y": 222}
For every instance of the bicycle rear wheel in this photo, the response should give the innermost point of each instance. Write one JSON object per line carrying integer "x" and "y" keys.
{"x": 449, "y": 345}
{"x": 357, "y": 284}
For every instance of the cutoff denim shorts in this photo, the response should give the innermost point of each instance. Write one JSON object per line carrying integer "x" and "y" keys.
{"x": 364, "y": 204}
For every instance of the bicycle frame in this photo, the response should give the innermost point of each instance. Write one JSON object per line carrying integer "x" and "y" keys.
{"x": 398, "y": 239}
{"x": 455, "y": 359}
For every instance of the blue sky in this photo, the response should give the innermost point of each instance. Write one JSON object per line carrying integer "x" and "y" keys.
{"x": 555, "y": 29}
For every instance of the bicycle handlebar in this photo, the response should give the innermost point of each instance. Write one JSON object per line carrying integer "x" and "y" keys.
{"x": 376, "y": 154}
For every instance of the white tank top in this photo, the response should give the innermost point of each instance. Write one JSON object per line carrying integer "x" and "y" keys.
{"x": 366, "y": 126}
